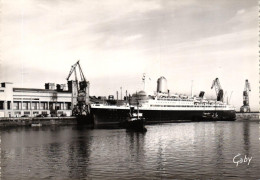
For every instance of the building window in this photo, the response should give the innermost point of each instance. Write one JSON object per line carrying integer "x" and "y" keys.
{"x": 8, "y": 105}
{"x": 42, "y": 105}
{"x": 1, "y": 105}
{"x": 69, "y": 105}
{"x": 66, "y": 106}
{"x": 25, "y": 105}
{"x": 17, "y": 113}
{"x": 60, "y": 112}
{"x": 62, "y": 106}
{"x": 26, "y": 113}
{"x": 45, "y": 105}
{"x": 51, "y": 106}
{"x": 16, "y": 105}
{"x": 57, "y": 107}
{"x": 34, "y": 105}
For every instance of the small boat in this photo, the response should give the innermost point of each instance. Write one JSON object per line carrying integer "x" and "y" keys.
{"x": 36, "y": 125}
{"x": 135, "y": 121}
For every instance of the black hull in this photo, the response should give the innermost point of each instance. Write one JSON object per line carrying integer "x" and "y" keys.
{"x": 85, "y": 119}
{"x": 115, "y": 116}
{"x": 137, "y": 125}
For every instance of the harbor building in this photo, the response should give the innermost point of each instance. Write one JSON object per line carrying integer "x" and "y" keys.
{"x": 54, "y": 100}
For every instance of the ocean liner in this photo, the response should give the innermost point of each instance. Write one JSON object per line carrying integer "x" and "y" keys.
{"x": 166, "y": 107}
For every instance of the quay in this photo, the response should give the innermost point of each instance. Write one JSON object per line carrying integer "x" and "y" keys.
{"x": 252, "y": 116}
{"x": 29, "y": 121}
{"x": 46, "y": 121}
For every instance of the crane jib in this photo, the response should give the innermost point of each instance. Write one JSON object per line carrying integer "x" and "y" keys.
{"x": 82, "y": 104}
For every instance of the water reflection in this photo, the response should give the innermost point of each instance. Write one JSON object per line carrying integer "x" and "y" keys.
{"x": 219, "y": 146}
{"x": 135, "y": 146}
{"x": 79, "y": 153}
{"x": 246, "y": 137}
{"x": 160, "y": 161}
{"x": 53, "y": 152}
{"x": 247, "y": 144}
{"x": 180, "y": 150}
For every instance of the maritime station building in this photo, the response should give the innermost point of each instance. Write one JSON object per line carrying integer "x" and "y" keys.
{"x": 54, "y": 100}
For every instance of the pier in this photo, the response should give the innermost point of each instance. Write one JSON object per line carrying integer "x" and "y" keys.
{"x": 29, "y": 121}
{"x": 252, "y": 116}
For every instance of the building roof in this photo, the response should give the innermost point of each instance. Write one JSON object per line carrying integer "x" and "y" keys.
{"x": 37, "y": 90}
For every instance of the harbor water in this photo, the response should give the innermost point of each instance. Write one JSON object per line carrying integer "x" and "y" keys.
{"x": 195, "y": 150}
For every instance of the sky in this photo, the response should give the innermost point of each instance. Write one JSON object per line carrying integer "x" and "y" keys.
{"x": 187, "y": 42}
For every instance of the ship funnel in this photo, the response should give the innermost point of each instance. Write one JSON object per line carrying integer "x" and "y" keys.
{"x": 201, "y": 95}
{"x": 162, "y": 85}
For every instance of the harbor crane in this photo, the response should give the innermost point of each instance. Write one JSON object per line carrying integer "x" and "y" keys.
{"x": 82, "y": 106}
{"x": 246, "y": 107}
{"x": 218, "y": 89}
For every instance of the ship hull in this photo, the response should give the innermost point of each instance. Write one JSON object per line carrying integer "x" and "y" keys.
{"x": 115, "y": 116}
{"x": 136, "y": 125}
{"x": 85, "y": 119}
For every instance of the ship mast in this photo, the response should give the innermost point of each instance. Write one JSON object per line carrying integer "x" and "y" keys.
{"x": 191, "y": 88}
{"x": 137, "y": 104}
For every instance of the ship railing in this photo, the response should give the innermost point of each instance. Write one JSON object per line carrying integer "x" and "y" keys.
{"x": 197, "y": 106}
{"x": 100, "y": 105}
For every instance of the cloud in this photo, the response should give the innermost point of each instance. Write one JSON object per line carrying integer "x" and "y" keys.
{"x": 241, "y": 11}
{"x": 133, "y": 37}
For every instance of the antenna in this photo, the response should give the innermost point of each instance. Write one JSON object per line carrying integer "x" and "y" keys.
{"x": 121, "y": 92}
{"x": 191, "y": 88}
{"x": 230, "y": 96}
{"x": 225, "y": 95}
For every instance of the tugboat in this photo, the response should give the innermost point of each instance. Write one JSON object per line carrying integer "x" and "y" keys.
{"x": 135, "y": 121}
